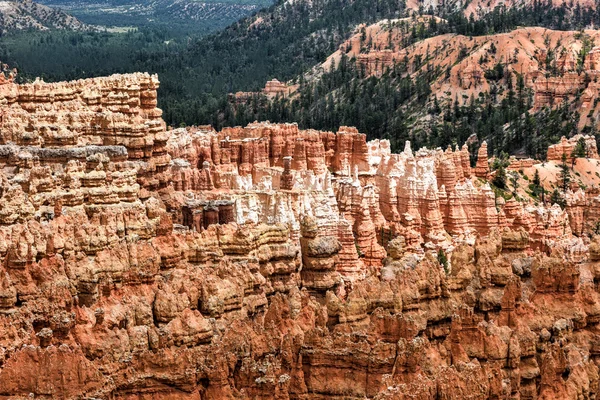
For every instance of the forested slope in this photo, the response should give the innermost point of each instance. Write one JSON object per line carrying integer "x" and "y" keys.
{"x": 290, "y": 40}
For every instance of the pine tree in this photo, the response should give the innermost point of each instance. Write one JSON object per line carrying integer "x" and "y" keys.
{"x": 443, "y": 260}
{"x": 500, "y": 178}
{"x": 536, "y": 184}
{"x": 565, "y": 175}
{"x": 536, "y": 178}
{"x": 557, "y": 198}
{"x": 580, "y": 150}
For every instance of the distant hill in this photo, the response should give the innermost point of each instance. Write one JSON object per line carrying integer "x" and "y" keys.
{"x": 186, "y": 15}
{"x": 25, "y": 14}
{"x": 480, "y": 8}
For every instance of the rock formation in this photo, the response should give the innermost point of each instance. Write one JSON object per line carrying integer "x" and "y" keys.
{"x": 552, "y": 63}
{"x": 115, "y": 116}
{"x": 273, "y": 262}
{"x": 273, "y": 88}
{"x": 566, "y": 147}
{"x": 482, "y": 169}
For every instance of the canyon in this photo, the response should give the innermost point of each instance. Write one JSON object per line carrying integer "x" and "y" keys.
{"x": 139, "y": 261}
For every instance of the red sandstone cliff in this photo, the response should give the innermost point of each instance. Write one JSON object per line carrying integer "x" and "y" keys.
{"x": 553, "y": 64}
{"x": 273, "y": 262}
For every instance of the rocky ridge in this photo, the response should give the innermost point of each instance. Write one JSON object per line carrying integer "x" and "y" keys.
{"x": 273, "y": 262}
{"x": 479, "y": 8}
{"x": 181, "y": 11}
{"x": 556, "y": 67}
{"x": 17, "y": 15}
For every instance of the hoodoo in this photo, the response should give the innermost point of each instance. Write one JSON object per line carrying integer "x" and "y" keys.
{"x": 269, "y": 261}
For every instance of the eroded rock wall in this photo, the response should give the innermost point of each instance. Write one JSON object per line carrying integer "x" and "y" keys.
{"x": 271, "y": 262}
{"x": 71, "y": 116}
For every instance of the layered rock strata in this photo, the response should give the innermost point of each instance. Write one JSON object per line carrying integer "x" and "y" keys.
{"x": 61, "y": 120}
{"x": 557, "y": 67}
{"x": 272, "y": 262}
{"x": 567, "y": 146}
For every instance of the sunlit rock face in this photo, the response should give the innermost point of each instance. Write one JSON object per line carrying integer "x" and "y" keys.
{"x": 58, "y": 122}
{"x": 268, "y": 262}
{"x": 567, "y": 146}
{"x": 279, "y": 173}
